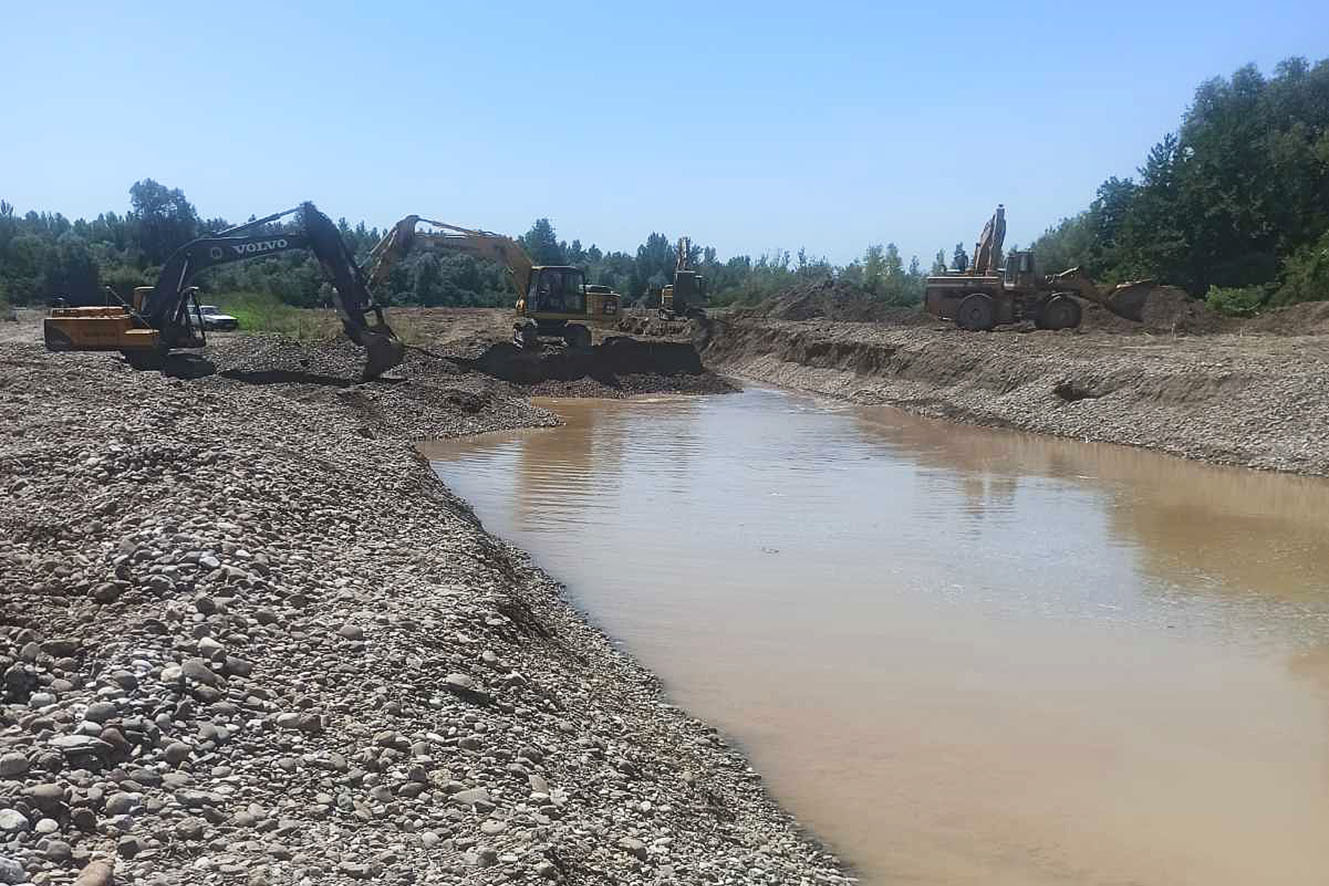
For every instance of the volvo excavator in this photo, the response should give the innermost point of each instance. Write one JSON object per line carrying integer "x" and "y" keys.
{"x": 553, "y": 301}
{"x": 987, "y": 294}
{"x": 165, "y": 316}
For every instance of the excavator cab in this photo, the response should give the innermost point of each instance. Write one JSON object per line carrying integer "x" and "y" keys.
{"x": 556, "y": 289}
{"x": 1020, "y": 270}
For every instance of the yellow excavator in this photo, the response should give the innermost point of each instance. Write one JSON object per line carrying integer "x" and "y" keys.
{"x": 686, "y": 296}
{"x": 553, "y": 301}
{"x": 166, "y": 316}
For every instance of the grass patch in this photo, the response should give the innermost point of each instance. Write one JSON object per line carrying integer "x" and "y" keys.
{"x": 260, "y": 312}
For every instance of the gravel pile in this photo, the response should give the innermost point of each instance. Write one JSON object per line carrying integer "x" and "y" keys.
{"x": 1246, "y": 399}
{"x": 247, "y": 637}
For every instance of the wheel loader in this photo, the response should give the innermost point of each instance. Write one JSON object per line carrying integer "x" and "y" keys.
{"x": 553, "y": 301}
{"x": 166, "y": 316}
{"x": 986, "y": 296}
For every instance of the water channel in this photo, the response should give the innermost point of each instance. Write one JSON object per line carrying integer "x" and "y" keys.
{"x": 959, "y": 655}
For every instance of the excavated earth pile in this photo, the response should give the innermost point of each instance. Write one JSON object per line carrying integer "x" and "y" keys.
{"x": 246, "y": 636}
{"x": 1247, "y": 399}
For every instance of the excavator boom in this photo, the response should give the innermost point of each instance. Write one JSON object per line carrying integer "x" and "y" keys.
{"x": 484, "y": 244}
{"x": 162, "y": 320}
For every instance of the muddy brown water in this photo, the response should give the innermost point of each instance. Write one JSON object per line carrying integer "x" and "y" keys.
{"x": 959, "y": 655}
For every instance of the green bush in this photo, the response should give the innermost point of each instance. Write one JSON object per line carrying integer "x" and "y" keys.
{"x": 263, "y": 312}
{"x": 1306, "y": 274}
{"x": 1237, "y": 301}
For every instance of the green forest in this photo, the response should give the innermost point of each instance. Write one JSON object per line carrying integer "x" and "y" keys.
{"x": 1233, "y": 207}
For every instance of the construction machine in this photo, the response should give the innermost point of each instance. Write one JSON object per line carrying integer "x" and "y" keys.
{"x": 986, "y": 295}
{"x": 553, "y": 301}
{"x": 166, "y": 316}
{"x": 686, "y": 296}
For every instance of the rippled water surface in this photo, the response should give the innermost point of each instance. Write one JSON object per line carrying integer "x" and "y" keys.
{"x": 961, "y": 656}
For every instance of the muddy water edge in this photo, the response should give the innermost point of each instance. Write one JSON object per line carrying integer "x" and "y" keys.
{"x": 959, "y": 655}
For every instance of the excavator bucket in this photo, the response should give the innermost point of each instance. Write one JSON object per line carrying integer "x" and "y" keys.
{"x": 1128, "y": 299}
{"x": 383, "y": 350}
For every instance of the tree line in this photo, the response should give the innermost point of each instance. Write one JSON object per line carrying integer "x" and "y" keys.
{"x": 45, "y": 256}
{"x": 1233, "y": 206}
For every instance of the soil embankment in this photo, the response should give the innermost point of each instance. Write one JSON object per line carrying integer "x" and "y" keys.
{"x": 248, "y": 637}
{"x": 1242, "y": 395}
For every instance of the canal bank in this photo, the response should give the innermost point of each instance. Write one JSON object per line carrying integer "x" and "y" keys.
{"x": 1254, "y": 396}
{"x": 961, "y": 655}
{"x": 247, "y": 636}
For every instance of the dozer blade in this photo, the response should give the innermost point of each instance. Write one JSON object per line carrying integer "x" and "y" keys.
{"x": 383, "y": 350}
{"x": 1128, "y": 299}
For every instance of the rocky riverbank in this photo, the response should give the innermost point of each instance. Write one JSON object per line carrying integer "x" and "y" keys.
{"x": 248, "y": 637}
{"x": 1251, "y": 394}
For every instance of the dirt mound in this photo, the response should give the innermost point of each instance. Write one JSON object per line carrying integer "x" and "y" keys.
{"x": 833, "y": 300}
{"x": 1169, "y": 309}
{"x": 1307, "y": 318}
{"x": 1162, "y": 310}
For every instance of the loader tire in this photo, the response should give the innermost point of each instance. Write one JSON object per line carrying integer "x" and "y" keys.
{"x": 1059, "y": 312}
{"x": 976, "y": 313}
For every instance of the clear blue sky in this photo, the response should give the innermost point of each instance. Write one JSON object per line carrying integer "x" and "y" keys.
{"x": 750, "y": 126}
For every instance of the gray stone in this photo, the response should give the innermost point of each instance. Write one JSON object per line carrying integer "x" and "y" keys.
{"x": 355, "y": 870}
{"x": 13, "y": 765}
{"x": 100, "y": 711}
{"x": 59, "y": 851}
{"x": 123, "y": 803}
{"x": 80, "y": 744}
{"x": 177, "y": 752}
{"x": 197, "y": 669}
{"x": 471, "y": 797}
{"x": 61, "y": 647}
{"x": 11, "y": 872}
{"x": 13, "y": 822}
{"x": 633, "y": 846}
{"x": 190, "y": 828}
{"x": 482, "y": 857}
{"x": 351, "y": 632}
{"x": 107, "y": 592}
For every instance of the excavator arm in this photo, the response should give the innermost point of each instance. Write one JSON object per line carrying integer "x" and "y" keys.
{"x": 987, "y": 251}
{"x": 482, "y": 244}
{"x": 362, "y": 318}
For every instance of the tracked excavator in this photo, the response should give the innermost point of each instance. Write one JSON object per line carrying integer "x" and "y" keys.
{"x": 985, "y": 295}
{"x": 686, "y": 296}
{"x": 166, "y": 316}
{"x": 553, "y": 301}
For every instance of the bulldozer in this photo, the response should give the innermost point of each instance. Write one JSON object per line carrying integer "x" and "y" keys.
{"x": 986, "y": 296}
{"x": 553, "y": 301}
{"x": 686, "y": 296}
{"x": 166, "y": 316}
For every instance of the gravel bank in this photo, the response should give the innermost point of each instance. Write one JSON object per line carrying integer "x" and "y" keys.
{"x": 247, "y": 637}
{"x": 1244, "y": 398}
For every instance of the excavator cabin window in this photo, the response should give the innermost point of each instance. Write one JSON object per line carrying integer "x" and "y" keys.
{"x": 558, "y": 291}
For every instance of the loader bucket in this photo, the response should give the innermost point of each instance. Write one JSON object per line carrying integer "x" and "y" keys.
{"x": 1128, "y": 299}
{"x": 383, "y": 351}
